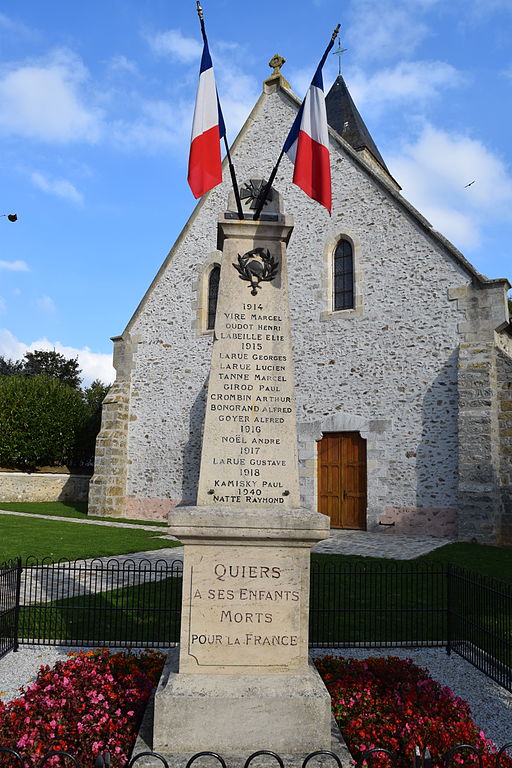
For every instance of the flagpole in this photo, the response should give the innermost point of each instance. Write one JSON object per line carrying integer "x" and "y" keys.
{"x": 228, "y": 153}
{"x": 234, "y": 181}
{"x": 263, "y": 196}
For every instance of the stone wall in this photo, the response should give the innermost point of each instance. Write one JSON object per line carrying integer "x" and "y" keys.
{"x": 108, "y": 484}
{"x": 480, "y": 503}
{"x": 479, "y": 500}
{"x": 504, "y": 380}
{"x": 42, "y": 486}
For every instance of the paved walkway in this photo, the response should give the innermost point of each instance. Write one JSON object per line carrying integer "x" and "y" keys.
{"x": 44, "y": 583}
{"x": 397, "y": 546}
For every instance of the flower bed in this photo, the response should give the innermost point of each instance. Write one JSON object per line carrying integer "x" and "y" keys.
{"x": 392, "y": 703}
{"x": 90, "y": 703}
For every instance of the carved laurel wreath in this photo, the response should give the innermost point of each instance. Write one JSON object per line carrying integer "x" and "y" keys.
{"x": 257, "y": 266}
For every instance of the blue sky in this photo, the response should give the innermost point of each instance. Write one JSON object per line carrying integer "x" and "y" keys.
{"x": 96, "y": 105}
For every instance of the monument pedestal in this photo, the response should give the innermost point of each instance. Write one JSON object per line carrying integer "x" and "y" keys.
{"x": 240, "y": 714}
{"x": 244, "y": 681}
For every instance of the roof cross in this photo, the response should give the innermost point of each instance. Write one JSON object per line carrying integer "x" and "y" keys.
{"x": 339, "y": 52}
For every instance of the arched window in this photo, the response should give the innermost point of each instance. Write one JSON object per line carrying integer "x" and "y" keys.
{"x": 343, "y": 276}
{"x": 213, "y": 294}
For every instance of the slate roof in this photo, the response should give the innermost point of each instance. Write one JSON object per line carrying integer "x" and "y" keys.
{"x": 343, "y": 116}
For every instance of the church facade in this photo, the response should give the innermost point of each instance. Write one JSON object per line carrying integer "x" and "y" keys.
{"x": 402, "y": 353}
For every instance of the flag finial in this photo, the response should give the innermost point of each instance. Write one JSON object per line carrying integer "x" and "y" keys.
{"x": 200, "y": 11}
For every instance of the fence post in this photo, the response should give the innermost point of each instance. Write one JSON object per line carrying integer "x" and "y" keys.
{"x": 17, "y": 608}
{"x": 449, "y": 607}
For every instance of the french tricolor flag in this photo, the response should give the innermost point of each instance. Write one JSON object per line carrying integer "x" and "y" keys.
{"x": 204, "y": 164}
{"x": 307, "y": 144}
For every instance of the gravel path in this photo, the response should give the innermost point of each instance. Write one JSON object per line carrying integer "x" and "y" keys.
{"x": 490, "y": 704}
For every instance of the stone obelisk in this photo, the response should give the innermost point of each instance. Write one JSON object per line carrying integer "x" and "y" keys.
{"x": 244, "y": 682}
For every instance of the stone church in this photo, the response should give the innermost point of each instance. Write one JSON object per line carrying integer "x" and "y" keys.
{"x": 402, "y": 353}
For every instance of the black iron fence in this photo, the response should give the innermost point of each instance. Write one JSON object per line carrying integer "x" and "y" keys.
{"x": 480, "y": 622}
{"x": 90, "y": 603}
{"x": 10, "y": 575}
{"x": 375, "y": 605}
{"x": 418, "y": 758}
{"x": 129, "y": 603}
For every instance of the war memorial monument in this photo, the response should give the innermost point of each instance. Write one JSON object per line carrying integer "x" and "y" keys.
{"x": 241, "y": 680}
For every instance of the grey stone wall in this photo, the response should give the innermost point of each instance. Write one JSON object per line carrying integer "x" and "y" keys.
{"x": 479, "y": 501}
{"x": 42, "y": 486}
{"x": 107, "y": 493}
{"x": 504, "y": 382}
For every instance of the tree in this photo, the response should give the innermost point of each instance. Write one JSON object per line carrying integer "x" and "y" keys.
{"x": 93, "y": 397}
{"x": 41, "y": 420}
{"x": 10, "y": 367}
{"x": 45, "y": 418}
{"x": 51, "y": 363}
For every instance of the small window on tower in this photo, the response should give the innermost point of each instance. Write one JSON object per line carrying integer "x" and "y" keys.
{"x": 213, "y": 294}
{"x": 343, "y": 276}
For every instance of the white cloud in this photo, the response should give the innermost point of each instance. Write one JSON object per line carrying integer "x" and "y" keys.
{"x": 122, "y": 64}
{"x": 384, "y": 29}
{"x": 47, "y": 100}
{"x": 14, "y": 266}
{"x": 14, "y": 27}
{"x": 58, "y": 187}
{"x": 434, "y": 172}
{"x": 46, "y": 303}
{"x": 486, "y": 7}
{"x": 414, "y": 82}
{"x": 94, "y": 365}
{"x": 238, "y": 93}
{"x": 160, "y": 124}
{"x": 173, "y": 43}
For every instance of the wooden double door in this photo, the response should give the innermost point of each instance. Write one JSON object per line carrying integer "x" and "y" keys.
{"x": 342, "y": 479}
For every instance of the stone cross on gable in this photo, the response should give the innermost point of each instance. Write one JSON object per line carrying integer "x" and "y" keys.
{"x": 276, "y": 62}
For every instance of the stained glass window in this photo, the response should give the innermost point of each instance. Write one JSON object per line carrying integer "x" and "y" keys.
{"x": 213, "y": 293}
{"x": 343, "y": 276}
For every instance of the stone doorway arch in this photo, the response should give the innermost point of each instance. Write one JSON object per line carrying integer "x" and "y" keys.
{"x": 376, "y": 432}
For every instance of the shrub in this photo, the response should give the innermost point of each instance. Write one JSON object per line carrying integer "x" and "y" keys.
{"x": 89, "y": 704}
{"x": 40, "y": 420}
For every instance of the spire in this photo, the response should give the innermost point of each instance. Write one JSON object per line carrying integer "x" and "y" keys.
{"x": 343, "y": 116}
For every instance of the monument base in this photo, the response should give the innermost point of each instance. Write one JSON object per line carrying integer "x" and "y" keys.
{"x": 237, "y": 715}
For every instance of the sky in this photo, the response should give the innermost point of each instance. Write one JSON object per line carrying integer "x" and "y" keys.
{"x": 96, "y": 104}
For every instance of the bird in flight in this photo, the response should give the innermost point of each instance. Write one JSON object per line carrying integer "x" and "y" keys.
{"x": 470, "y": 183}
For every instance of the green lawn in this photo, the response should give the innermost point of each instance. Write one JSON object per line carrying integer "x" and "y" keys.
{"x": 141, "y": 615}
{"x": 489, "y": 560}
{"x": 73, "y": 509}
{"x": 24, "y": 536}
